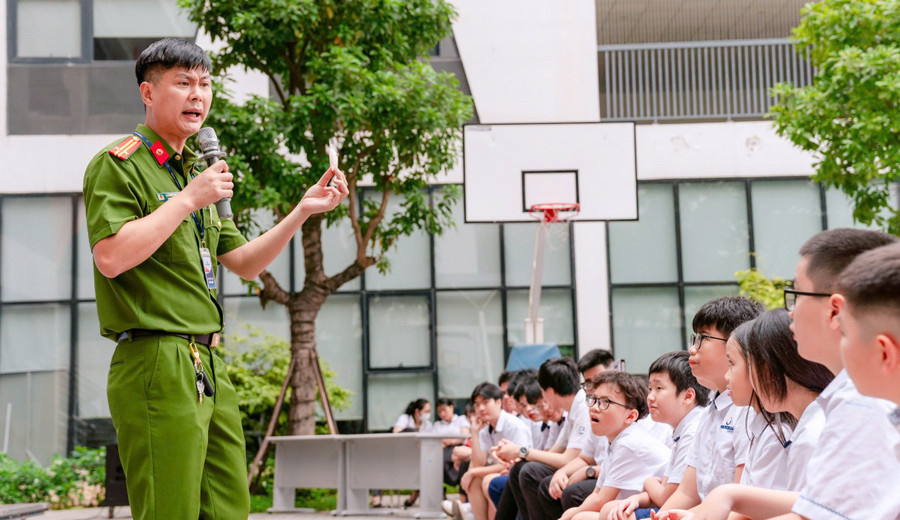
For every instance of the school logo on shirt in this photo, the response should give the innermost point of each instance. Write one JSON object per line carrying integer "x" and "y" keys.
{"x": 581, "y": 430}
{"x": 727, "y": 426}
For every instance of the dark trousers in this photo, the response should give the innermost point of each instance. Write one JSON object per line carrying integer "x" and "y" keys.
{"x": 451, "y": 474}
{"x": 507, "y": 507}
{"x": 534, "y": 481}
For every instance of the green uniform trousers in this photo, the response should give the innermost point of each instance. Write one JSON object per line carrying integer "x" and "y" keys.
{"x": 182, "y": 459}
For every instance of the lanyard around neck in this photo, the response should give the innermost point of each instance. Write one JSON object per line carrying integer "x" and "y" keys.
{"x": 198, "y": 221}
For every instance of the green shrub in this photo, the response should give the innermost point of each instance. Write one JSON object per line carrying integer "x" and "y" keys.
{"x": 67, "y": 482}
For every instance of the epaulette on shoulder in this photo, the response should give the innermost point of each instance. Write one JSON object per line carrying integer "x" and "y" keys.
{"x": 126, "y": 148}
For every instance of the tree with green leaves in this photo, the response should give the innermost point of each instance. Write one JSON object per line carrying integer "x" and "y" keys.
{"x": 850, "y": 116}
{"x": 351, "y": 75}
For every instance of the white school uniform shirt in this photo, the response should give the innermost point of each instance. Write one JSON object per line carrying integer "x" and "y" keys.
{"x": 509, "y": 428}
{"x": 408, "y": 421}
{"x": 544, "y": 435}
{"x": 454, "y": 427}
{"x": 598, "y": 450}
{"x": 576, "y": 431}
{"x": 716, "y": 444}
{"x": 803, "y": 442}
{"x": 682, "y": 441}
{"x": 631, "y": 457}
{"x": 766, "y": 464}
{"x": 851, "y": 473}
{"x": 660, "y": 431}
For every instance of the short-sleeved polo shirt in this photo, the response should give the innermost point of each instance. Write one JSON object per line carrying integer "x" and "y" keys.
{"x": 576, "y": 431}
{"x": 509, "y": 428}
{"x": 168, "y": 291}
{"x": 716, "y": 447}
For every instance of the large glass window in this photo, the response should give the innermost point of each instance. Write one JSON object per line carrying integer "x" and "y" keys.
{"x": 469, "y": 340}
{"x": 467, "y": 255}
{"x": 785, "y": 214}
{"x": 48, "y": 29}
{"x": 60, "y": 29}
{"x": 35, "y": 270}
{"x": 390, "y": 393}
{"x": 714, "y": 232}
{"x": 656, "y": 288}
{"x": 399, "y": 332}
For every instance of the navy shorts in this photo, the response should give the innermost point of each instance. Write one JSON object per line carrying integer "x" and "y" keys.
{"x": 644, "y": 513}
{"x": 495, "y": 488}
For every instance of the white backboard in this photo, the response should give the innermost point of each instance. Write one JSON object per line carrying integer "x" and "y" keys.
{"x": 508, "y": 168}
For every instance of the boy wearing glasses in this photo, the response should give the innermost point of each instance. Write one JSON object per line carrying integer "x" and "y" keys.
{"x": 870, "y": 325}
{"x": 677, "y": 399}
{"x": 848, "y": 474}
{"x": 717, "y": 445}
{"x": 618, "y": 401}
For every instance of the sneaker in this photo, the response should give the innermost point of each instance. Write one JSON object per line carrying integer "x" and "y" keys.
{"x": 465, "y": 511}
{"x": 447, "y": 506}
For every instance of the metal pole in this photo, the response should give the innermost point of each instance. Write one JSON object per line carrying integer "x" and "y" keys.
{"x": 534, "y": 332}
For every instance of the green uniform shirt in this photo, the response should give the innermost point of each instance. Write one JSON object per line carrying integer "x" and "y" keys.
{"x": 167, "y": 291}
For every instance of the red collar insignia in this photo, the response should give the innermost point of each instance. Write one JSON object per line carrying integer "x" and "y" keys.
{"x": 159, "y": 152}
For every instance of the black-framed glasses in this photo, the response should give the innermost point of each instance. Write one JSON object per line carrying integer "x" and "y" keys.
{"x": 697, "y": 339}
{"x": 602, "y": 402}
{"x": 790, "y": 296}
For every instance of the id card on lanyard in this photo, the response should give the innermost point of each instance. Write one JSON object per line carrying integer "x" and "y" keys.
{"x": 205, "y": 256}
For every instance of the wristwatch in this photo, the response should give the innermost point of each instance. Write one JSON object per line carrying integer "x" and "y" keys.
{"x": 591, "y": 472}
{"x": 523, "y": 452}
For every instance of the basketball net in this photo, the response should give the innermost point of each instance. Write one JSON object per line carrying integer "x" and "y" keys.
{"x": 547, "y": 214}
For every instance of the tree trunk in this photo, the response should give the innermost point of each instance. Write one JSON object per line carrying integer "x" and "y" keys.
{"x": 303, "y": 312}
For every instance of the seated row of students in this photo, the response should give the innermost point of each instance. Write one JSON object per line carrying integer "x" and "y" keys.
{"x": 844, "y": 313}
{"x": 786, "y": 431}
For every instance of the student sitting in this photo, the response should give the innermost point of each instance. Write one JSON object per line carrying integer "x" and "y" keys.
{"x": 784, "y": 382}
{"x": 416, "y": 418}
{"x": 840, "y": 481}
{"x": 765, "y": 463}
{"x": 869, "y": 300}
{"x": 450, "y": 424}
{"x": 712, "y": 459}
{"x": 558, "y": 379}
{"x": 677, "y": 399}
{"x": 491, "y": 425}
{"x": 618, "y": 401}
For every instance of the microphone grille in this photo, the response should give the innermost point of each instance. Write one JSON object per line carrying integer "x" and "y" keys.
{"x": 208, "y": 139}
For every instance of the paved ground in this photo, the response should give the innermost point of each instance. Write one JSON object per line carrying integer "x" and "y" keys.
{"x": 124, "y": 512}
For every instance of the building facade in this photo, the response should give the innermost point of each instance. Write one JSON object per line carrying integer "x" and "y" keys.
{"x": 718, "y": 192}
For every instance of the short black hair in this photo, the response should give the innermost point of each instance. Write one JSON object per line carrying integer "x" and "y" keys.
{"x": 520, "y": 378}
{"x": 445, "y": 401}
{"x": 726, "y": 313}
{"x": 487, "y": 390}
{"x": 560, "y": 374}
{"x": 872, "y": 281}
{"x": 830, "y": 252}
{"x": 531, "y": 390}
{"x": 634, "y": 391}
{"x": 592, "y": 358}
{"x": 676, "y": 366}
{"x": 169, "y": 53}
{"x": 505, "y": 376}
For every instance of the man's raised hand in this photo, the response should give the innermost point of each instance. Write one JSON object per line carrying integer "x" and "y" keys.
{"x": 321, "y": 197}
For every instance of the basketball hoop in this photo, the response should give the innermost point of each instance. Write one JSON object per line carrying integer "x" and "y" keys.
{"x": 553, "y": 211}
{"x": 545, "y": 213}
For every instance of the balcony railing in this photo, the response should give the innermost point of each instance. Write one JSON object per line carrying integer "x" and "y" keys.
{"x": 696, "y": 80}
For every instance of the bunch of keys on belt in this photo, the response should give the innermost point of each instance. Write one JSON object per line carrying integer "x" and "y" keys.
{"x": 204, "y": 386}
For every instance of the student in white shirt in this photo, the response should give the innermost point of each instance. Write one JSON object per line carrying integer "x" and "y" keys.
{"x": 870, "y": 329}
{"x": 765, "y": 463}
{"x": 841, "y": 479}
{"x": 491, "y": 425}
{"x": 784, "y": 382}
{"x": 449, "y": 423}
{"x": 677, "y": 399}
{"x": 616, "y": 404}
{"x": 712, "y": 459}
{"x": 416, "y": 418}
{"x": 558, "y": 379}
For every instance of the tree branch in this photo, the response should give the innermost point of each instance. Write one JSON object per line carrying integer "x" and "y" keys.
{"x": 271, "y": 290}
{"x": 271, "y": 75}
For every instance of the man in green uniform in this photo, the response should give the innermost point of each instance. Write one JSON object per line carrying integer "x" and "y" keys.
{"x": 156, "y": 239}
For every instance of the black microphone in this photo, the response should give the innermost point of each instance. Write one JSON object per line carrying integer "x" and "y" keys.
{"x": 209, "y": 145}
